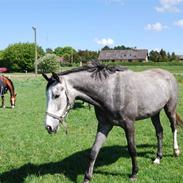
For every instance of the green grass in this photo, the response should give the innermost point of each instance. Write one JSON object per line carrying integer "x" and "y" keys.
{"x": 29, "y": 154}
{"x": 174, "y": 67}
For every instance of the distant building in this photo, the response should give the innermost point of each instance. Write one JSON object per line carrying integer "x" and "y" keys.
{"x": 180, "y": 57}
{"x": 124, "y": 55}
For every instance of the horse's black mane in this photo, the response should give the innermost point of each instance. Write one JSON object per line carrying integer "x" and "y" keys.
{"x": 98, "y": 70}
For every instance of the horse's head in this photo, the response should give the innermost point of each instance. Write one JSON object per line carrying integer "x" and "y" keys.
{"x": 13, "y": 100}
{"x": 57, "y": 102}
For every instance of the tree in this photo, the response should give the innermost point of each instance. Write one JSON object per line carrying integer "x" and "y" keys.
{"x": 122, "y": 47}
{"x": 67, "y": 58}
{"x": 48, "y": 63}
{"x": 164, "y": 57}
{"x": 173, "y": 57}
{"x": 58, "y": 51}
{"x": 86, "y": 55}
{"x": 1, "y": 58}
{"x": 168, "y": 56}
{"x": 1, "y": 54}
{"x": 67, "y": 52}
{"x": 77, "y": 58}
{"x": 21, "y": 56}
{"x": 106, "y": 48}
{"x": 154, "y": 56}
{"x": 49, "y": 50}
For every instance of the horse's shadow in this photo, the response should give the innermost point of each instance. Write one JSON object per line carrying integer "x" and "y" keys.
{"x": 7, "y": 107}
{"x": 72, "y": 166}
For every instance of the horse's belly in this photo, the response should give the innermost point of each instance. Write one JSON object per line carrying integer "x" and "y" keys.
{"x": 148, "y": 110}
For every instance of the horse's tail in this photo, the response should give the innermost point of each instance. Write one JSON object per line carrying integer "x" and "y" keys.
{"x": 179, "y": 121}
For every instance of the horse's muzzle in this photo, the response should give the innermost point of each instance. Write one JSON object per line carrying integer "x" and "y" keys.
{"x": 50, "y": 129}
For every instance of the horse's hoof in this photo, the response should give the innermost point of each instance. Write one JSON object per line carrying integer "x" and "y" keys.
{"x": 3, "y": 106}
{"x": 176, "y": 152}
{"x": 133, "y": 178}
{"x": 156, "y": 161}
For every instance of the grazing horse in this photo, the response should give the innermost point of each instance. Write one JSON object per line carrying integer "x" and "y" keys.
{"x": 5, "y": 85}
{"x": 120, "y": 97}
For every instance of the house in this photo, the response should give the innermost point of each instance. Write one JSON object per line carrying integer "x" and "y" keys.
{"x": 180, "y": 57}
{"x": 124, "y": 55}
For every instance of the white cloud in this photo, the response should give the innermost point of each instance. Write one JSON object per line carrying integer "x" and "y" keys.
{"x": 179, "y": 23}
{"x": 169, "y": 6}
{"x": 104, "y": 41}
{"x": 157, "y": 27}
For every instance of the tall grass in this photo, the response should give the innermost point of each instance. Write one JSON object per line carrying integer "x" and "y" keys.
{"x": 29, "y": 154}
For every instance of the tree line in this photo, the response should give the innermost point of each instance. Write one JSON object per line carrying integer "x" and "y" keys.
{"x": 162, "y": 56}
{"x": 20, "y": 57}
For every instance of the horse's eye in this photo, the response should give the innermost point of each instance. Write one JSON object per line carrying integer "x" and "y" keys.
{"x": 56, "y": 96}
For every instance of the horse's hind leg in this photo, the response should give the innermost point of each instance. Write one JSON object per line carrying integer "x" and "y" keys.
{"x": 171, "y": 114}
{"x": 159, "y": 134}
{"x": 103, "y": 130}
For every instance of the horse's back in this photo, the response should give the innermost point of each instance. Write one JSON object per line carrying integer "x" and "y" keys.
{"x": 147, "y": 92}
{"x": 164, "y": 79}
{"x": 156, "y": 78}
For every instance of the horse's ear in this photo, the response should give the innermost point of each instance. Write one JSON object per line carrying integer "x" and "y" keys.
{"x": 56, "y": 77}
{"x": 45, "y": 76}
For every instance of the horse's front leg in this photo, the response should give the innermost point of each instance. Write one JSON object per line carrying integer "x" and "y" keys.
{"x": 129, "y": 132}
{"x": 102, "y": 132}
{"x": 3, "y": 105}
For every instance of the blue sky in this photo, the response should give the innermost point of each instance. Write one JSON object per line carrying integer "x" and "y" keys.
{"x": 90, "y": 24}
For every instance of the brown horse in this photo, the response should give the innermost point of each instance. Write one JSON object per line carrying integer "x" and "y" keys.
{"x": 5, "y": 85}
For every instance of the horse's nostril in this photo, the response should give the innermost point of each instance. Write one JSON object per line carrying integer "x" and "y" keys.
{"x": 49, "y": 129}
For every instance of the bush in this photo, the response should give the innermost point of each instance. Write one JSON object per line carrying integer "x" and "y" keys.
{"x": 21, "y": 56}
{"x": 49, "y": 63}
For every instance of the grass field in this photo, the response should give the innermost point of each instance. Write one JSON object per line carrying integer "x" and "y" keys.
{"x": 29, "y": 154}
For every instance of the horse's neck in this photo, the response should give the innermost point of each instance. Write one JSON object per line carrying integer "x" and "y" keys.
{"x": 10, "y": 88}
{"x": 85, "y": 87}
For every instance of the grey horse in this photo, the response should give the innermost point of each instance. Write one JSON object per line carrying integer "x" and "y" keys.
{"x": 120, "y": 97}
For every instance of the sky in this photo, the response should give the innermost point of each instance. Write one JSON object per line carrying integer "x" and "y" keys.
{"x": 92, "y": 24}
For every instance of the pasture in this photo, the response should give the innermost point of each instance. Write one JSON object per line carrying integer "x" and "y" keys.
{"x": 29, "y": 154}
